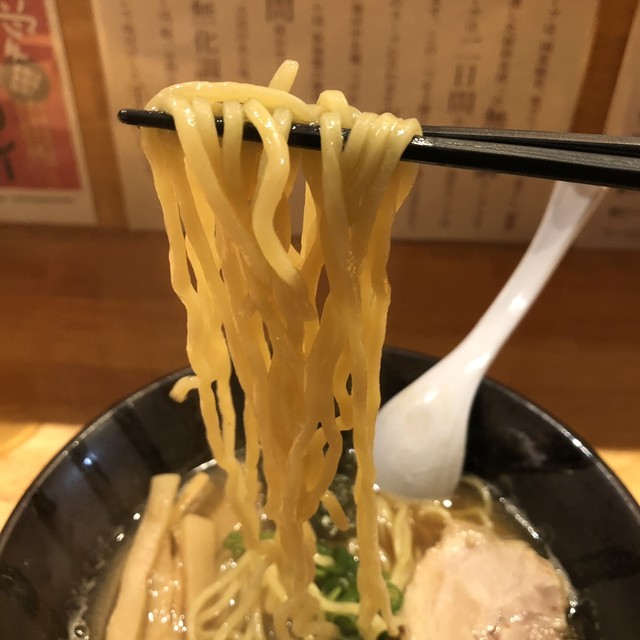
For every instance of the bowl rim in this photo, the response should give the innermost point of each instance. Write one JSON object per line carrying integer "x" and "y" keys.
{"x": 97, "y": 422}
{"x": 84, "y": 432}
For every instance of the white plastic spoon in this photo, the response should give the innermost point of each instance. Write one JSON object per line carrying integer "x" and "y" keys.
{"x": 421, "y": 432}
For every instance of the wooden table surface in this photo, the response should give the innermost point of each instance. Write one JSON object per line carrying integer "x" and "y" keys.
{"x": 87, "y": 316}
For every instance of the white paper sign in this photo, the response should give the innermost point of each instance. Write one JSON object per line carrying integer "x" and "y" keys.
{"x": 617, "y": 221}
{"x": 498, "y": 63}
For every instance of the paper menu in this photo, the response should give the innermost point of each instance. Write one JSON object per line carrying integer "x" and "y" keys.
{"x": 43, "y": 175}
{"x": 523, "y": 62}
{"x": 516, "y": 63}
{"x": 617, "y": 221}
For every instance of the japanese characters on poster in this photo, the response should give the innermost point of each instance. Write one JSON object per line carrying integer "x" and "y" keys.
{"x": 43, "y": 177}
{"x": 494, "y": 63}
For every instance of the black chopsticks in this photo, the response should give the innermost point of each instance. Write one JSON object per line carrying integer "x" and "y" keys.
{"x": 593, "y": 159}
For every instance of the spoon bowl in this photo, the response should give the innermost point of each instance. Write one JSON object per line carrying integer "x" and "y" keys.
{"x": 421, "y": 432}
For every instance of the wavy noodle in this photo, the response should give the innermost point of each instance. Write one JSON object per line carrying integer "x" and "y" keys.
{"x": 250, "y": 298}
{"x": 247, "y": 290}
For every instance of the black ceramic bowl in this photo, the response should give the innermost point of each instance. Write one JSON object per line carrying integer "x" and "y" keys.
{"x": 68, "y": 521}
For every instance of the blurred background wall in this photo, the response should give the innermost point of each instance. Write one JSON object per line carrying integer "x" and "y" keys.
{"x": 540, "y": 64}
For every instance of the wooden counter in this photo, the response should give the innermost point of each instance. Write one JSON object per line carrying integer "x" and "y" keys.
{"x": 87, "y": 316}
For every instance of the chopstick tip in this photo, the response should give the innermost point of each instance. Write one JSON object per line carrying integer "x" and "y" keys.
{"x": 124, "y": 116}
{"x": 146, "y": 118}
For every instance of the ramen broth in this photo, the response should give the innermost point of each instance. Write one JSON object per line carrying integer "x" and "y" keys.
{"x": 473, "y": 502}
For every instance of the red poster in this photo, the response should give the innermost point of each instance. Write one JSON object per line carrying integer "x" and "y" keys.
{"x": 36, "y": 145}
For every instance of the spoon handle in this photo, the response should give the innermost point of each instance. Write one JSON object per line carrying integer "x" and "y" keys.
{"x": 569, "y": 208}
{"x": 421, "y": 432}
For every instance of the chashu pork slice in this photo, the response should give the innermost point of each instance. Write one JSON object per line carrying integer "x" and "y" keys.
{"x": 475, "y": 586}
